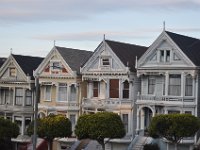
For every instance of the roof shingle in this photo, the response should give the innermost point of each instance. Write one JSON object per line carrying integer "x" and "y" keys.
{"x": 28, "y": 63}
{"x": 190, "y": 46}
{"x": 127, "y": 52}
{"x": 75, "y": 58}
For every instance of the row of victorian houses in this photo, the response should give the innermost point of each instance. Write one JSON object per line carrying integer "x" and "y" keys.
{"x": 134, "y": 81}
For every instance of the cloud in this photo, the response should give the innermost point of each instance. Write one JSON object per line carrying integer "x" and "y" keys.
{"x": 54, "y": 10}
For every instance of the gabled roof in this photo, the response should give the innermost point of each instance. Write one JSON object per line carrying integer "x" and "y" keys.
{"x": 190, "y": 46}
{"x": 2, "y": 60}
{"x": 75, "y": 58}
{"x": 28, "y": 63}
{"x": 127, "y": 52}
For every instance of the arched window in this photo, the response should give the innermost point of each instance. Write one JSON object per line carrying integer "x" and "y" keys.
{"x": 126, "y": 89}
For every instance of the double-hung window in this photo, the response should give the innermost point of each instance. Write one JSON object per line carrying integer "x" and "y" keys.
{"x": 18, "y": 96}
{"x": 188, "y": 85}
{"x": 174, "y": 85}
{"x": 47, "y": 94}
{"x": 95, "y": 89}
{"x": 28, "y": 101}
{"x": 62, "y": 92}
{"x": 73, "y": 93}
{"x": 126, "y": 89}
{"x": 151, "y": 85}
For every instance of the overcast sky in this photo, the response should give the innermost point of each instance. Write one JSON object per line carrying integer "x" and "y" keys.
{"x": 29, "y": 27}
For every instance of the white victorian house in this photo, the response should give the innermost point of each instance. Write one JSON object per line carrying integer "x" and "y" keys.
{"x": 111, "y": 80}
{"x": 17, "y": 87}
{"x": 169, "y": 73}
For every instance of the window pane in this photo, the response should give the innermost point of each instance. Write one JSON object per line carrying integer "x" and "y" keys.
{"x": 28, "y": 97}
{"x": 95, "y": 89}
{"x": 73, "y": 92}
{"x": 188, "y": 86}
{"x": 161, "y": 56}
{"x": 167, "y": 56}
{"x": 126, "y": 90}
{"x": 18, "y": 96}
{"x": 125, "y": 121}
{"x": 175, "y": 85}
{"x": 105, "y": 62}
{"x": 151, "y": 85}
{"x": 62, "y": 92}
{"x": 48, "y": 92}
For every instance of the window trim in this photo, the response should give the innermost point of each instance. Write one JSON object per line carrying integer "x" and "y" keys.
{"x": 62, "y": 85}
{"x": 186, "y": 77}
{"x": 151, "y": 78}
{"x": 170, "y": 94}
{"x": 45, "y": 95}
{"x": 17, "y": 96}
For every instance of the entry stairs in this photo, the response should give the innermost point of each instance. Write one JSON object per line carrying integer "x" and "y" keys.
{"x": 138, "y": 142}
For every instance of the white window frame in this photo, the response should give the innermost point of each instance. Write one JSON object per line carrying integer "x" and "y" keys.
{"x": 70, "y": 99}
{"x": 21, "y": 96}
{"x": 108, "y": 61}
{"x": 190, "y": 85}
{"x": 28, "y": 98}
{"x": 62, "y": 85}
{"x": 169, "y": 85}
{"x": 45, "y": 92}
{"x": 148, "y": 86}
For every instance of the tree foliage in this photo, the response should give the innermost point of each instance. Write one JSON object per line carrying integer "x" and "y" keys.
{"x": 51, "y": 127}
{"x": 8, "y": 130}
{"x": 174, "y": 126}
{"x": 99, "y": 126}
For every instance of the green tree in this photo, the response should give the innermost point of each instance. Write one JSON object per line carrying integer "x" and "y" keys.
{"x": 51, "y": 127}
{"x": 99, "y": 126}
{"x": 174, "y": 127}
{"x": 8, "y": 130}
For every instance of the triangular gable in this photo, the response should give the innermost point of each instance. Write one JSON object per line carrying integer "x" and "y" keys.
{"x": 54, "y": 64}
{"x": 103, "y": 60}
{"x": 164, "y": 52}
{"x": 11, "y": 71}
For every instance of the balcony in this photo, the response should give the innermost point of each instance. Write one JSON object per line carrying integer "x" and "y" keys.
{"x": 60, "y": 106}
{"x": 105, "y": 104}
{"x": 165, "y": 100}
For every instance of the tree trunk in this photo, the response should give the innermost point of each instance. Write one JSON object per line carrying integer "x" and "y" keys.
{"x": 50, "y": 143}
{"x": 175, "y": 148}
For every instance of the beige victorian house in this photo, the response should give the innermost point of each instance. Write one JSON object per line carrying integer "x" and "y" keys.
{"x": 60, "y": 82}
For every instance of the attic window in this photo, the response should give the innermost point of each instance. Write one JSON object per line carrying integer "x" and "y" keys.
{"x": 105, "y": 62}
{"x": 55, "y": 65}
{"x": 12, "y": 72}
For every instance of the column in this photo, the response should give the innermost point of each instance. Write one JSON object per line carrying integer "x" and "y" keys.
{"x": 24, "y": 97}
{"x": 23, "y": 125}
{"x": 107, "y": 89}
{"x": 182, "y": 84}
{"x": 138, "y": 120}
{"x": 90, "y": 85}
{"x": 120, "y": 88}
{"x": 166, "y": 83}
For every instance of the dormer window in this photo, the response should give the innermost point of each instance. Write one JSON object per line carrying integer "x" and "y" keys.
{"x": 12, "y": 72}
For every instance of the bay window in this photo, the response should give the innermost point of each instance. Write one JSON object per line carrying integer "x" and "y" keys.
{"x": 151, "y": 85}
{"x": 18, "y": 96}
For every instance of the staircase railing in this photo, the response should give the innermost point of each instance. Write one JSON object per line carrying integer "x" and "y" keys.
{"x": 134, "y": 140}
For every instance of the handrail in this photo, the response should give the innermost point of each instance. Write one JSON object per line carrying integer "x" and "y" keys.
{"x": 134, "y": 140}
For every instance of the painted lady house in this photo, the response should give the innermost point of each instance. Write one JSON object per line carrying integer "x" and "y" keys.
{"x": 169, "y": 73}
{"x": 17, "y": 88}
{"x": 111, "y": 80}
{"x": 60, "y": 82}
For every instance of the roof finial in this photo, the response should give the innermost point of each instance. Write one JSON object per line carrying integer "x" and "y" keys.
{"x": 136, "y": 62}
{"x": 11, "y": 50}
{"x": 163, "y": 25}
{"x": 54, "y": 42}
